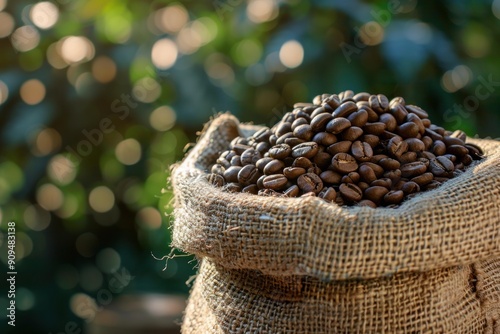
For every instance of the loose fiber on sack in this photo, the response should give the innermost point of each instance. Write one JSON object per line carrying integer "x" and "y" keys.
{"x": 289, "y": 265}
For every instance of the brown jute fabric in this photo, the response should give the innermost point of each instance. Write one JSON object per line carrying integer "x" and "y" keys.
{"x": 300, "y": 265}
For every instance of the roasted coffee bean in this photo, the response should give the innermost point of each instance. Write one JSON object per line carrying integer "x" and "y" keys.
{"x": 304, "y": 132}
{"x": 337, "y": 125}
{"x": 415, "y": 119}
{"x": 224, "y": 163}
{"x": 377, "y": 157}
{"x": 352, "y": 133}
{"x": 231, "y": 173}
{"x": 375, "y": 193}
{"x": 340, "y": 147}
{"x": 361, "y": 151}
{"x": 413, "y": 169}
{"x": 474, "y": 151}
{"x": 410, "y": 187}
{"x": 358, "y": 118}
{"x": 351, "y": 192}
{"x": 261, "y": 163}
{"x": 250, "y": 156}
{"x": 426, "y": 154}
{"x": 438, "y": 148}
{"x": 408, "y": 157}
{"x": 379, "y": 171}
{"x": 363, "y": 96}
{"x": 322, "y": 159}
{"x": 260, "y": 182}
{"x": 363, "y": 185}
{"x": 394, "y": 197}
{"x": 216, "y": 179}
{"x": 367, "y": 174}
{"x": 306, "y": 150}
{"x": 314, "y": 169}
{"x": 384, "y": 182}
{"x": 236, "y": 161}
{"x": 376, "y": 128}
{"x": 415, "y": 145}
{"x": 423, "y": 179}
{"x": 425, "y": 161}
{"x": 275, "y": 181}
{"x": 345, "y": 109}
{"x": 283, "y": 128}
{"x": 280, "y": 151}
{"x": 408, "y": 130}
{"x": 389, "y": 163}
{"x": 328, "y": 194}
{"x": 293, "y": 172}
{"x": 318, "y": 123}
{"x": 441, "y": 166}
{"x": 318, "y": 111}
{"x": 379, "y": 103}
{"x": 292, "y": 191}
{"x": 262, "y": 135}
{"x": 218, "y": 169}
{"x": 251, "y": 189}
{"x": 372, "y": 115}
{"x": 397, "y": 99}
{"x": 417, "y": 111}
{"x": 294, "y": 141}
{"x": 302, "y": 162}
{"x": 262, "y": 147}
{"x": 325, "y": 138}
{"x": 248, "y": 174}
{"x": 346, "y": 95}
{"x": 459, "y": 134}
{"x": 434, "y": 135}
{"x": 332, "y": 101}
{"x": 310, "y": 182}
{"x": 272, "y": 139}
{"x": 432, "y": 185}
{"x": 450, "y": 157}
{"x": 331, "y": 177}
{"x": 457, "y": 150}
{"x": 397, "y": 146}
{"x": 282, "y": 139}
{"x": 389, "y": 121}
{"x": 393, "y": 174}
{"x": 274, "y": 167}
{"x": 352, "y": 177}
{"x": 399, "y": 112}
{"x": 467, "y": 160}
{"x": 344, "y": 163}
{"x": 299, "y": 121}
{"x": 371, "y": 140}
{"x": 232, "y": 187}
{"x": 367, "y": 203}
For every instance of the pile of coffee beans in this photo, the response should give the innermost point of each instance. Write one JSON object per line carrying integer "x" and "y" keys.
{"x": 349, "y": 149}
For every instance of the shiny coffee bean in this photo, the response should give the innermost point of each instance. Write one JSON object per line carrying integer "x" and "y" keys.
{"x": 408, "y": 157}
{"x": 371, "y": 140}
{"x": 299, "y": 121}
{"x": 251, "y": 189}
{"x": 375, "y": 193}
{"x": 389, "y": 121}
{"x": 216, "y": 179}
{"x": 274, "y": 167}
{"x": 218, "y": 169}
{"x": 318, "y": 123}
{"x": 331, "y": 177}
{"x": 457, "y": 150}
{"x": 410, "y": 187}
{"x": 325, "y": 138}
{"x": 376, "y": 128}
{"x": 293, "y": 172}
{"x": 304, "y": 132}
{"x": 441, "y": 166}
{"x": 389, "y": 163}
{"x": 413, "y": 169}
{"x": 361, "y": 151}
{"x": 306, "y": 150}
{"x": 280, "y": 151}
{"x": 261, "y": 163}
{"x": 328, "y": 194}
{"x": 292, "y": 191}
{"x": 423, "y": 179}
{"x": 275, "y": 181}
{"x": 231, "y": 174}
{"x": 394, "y": 197}
{"x": 367, "y": 203}
{"x": 384, "y": 182}
{"x": 310, "y": 182}
{"x": 352, "y": 177}
{"x": 379, "y": 171}
{"x": 415, "y": 145}
{"x": 345, "y": 109}
{"x": 339, "y": 147}
{"x": 247, "y": 175}
{"x": 367, "y": 174}
{"x": 337, "y": 125}
{"x": 344, "y": 163}
{"x": 408, "y": 130}
{"x": 417, "y": 111}
{"x": 358, "y": 118}
{"x": 352, "y": 133}
{"x": 397, "y": 146}
{"x": 351, "y": 192}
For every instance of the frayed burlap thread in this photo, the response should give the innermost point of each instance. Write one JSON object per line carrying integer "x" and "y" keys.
{"x": 300, "y": 265}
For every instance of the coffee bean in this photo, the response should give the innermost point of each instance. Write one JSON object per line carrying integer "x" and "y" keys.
{"x": 344, "y": 163}
{"x": 379, "y": 171}
{"x": 248, "y": 175}
{"x": 329, "y": 176}
{"x": 389, "y": 121}
{"x": 303, "y": 131}
{"x": 280, "y": 151}
{"x": 410, "y": 187}
{"x": 262, "y": 147}
{"x": 371, "y": 140}
{"x": 378, "y": 103}
{"x": 432, "y": 185}
{"x": 474, "y": 151}
{"x": 408, "y": 157}
{"x": 282, "y": 139}
{"x": 434, "y": 135}
{"x": 352, "y": 133}
{"x": 332, "y": 101}
{"x": 293, "y": 172}
{"x": 337, "y": 125}
{"x": 363, "y": 96}
{"x": 393, "y": 174}
{"x": 302, "y": 162}
{"x": 363, "y": 185}
{"x": 458, "y": 150}
{"x": 310, "y": 182}
{"x": 417, "y": 111}
{"x": 345, "y": 109}
{"x": 216, "y": 179}
{"x": 361, "y": 151}
{"x": 231, "y": 173}
{"x": 299, "y": 121}
{"x": 397, "y": 146}
{"x": 467, "y": 160}
{"x": 261, "y": 163}
{"x": 441, "y": 166}
{"x": 322, "y": 159}
{"x": 318, "y": 123}
{"x": 292, "y": 191}
{"x": 352, "y": 177}
{"x": 318, "y": 111}
{"x": 250, "y": 156}
{"x": 274, "y": 167}
{"x": 283, "y": 128}
{"x": 389, "y": 163}
{"x": 351, "y": 192}
{"x": 275, "y": 181}
{"x": 307, "y": 150}
{"x": 375, "y": 193}
{"x": 397, "y": 99}
{"x": 325, "y": 138}
{"x": 358, "y": 118}
{"x": 427, "y": 155}
{"x": 328, "y": 194}
{"x": 251, "y": 189}
{"x": 423, "y": 179}
{"x": 367, "y": 203}
{"x": 413, "y": 169}
{"x": 372, "y": 115}
{"x": 408, "y": 130}
{"x": 376, "y": 128}
{"x": 262, "y": 135}
{"x": 384, "y": 182}
{"x": 367, "y": 174}
{"x": 439, "y": 148}
{"x": 340, "y": 147}
{"x": 459, "y": 134}
{"x": 218, "y": 169}
{"x": 294, "y": 141}
{"x": 399, "y": 112}
{"x": 450, "y": 157}
{"x": 272, "y": 139}
{"x": 232, "y": 187}
{"x": 415, "y": 145}
{"x": 393, "y": 197}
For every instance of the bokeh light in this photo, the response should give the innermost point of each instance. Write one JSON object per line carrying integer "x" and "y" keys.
{"x": 371, "y": 33}
{"x": 101, "y": 199}
{"x": 36, "y": 218}
{"x": 4, "y": 92}
{"x": 46, "y": 142}
{"x": 171, "y": 19}
{"x": 75, "y": 49}
{"x": 495, "y": 8}
{"x": 25, "y": 299}
{"x": 259, "y": 11}
{"x": 247, "y": 52}
{"x": 162, "y": 118}
{"x": 44, "y": 14}
{"x": 61, "y": 169}
{"x": 25, "y": 38}
{"x": 49, "y": 197}
{"x": 149, "y": 218}
{"x": 32, "y": 91}
{"x": 104, "y": 69}
{"x": 7, "y": 24}
{"x": 456, "y": 78}
{"x": 164, "y": 53}
{"x": 81, "y": 303}
{"x": 146, "y": 90}
{"x": 3, "y": 4}
{"x": 291, "y": 54}
{"x": 108, "y": 260}
{"x": 128, "y": 151}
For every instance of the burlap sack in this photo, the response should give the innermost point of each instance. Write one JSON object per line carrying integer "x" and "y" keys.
{"x": 300, "y": 265}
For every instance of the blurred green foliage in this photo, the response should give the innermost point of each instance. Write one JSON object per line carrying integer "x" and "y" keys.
{"x": 99, "y": 98}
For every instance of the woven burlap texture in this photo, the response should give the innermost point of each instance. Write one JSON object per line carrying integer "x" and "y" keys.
{"x": 276, "y": 265}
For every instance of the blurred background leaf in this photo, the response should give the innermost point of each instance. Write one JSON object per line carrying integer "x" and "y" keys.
{"x": 99, "y": 98}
